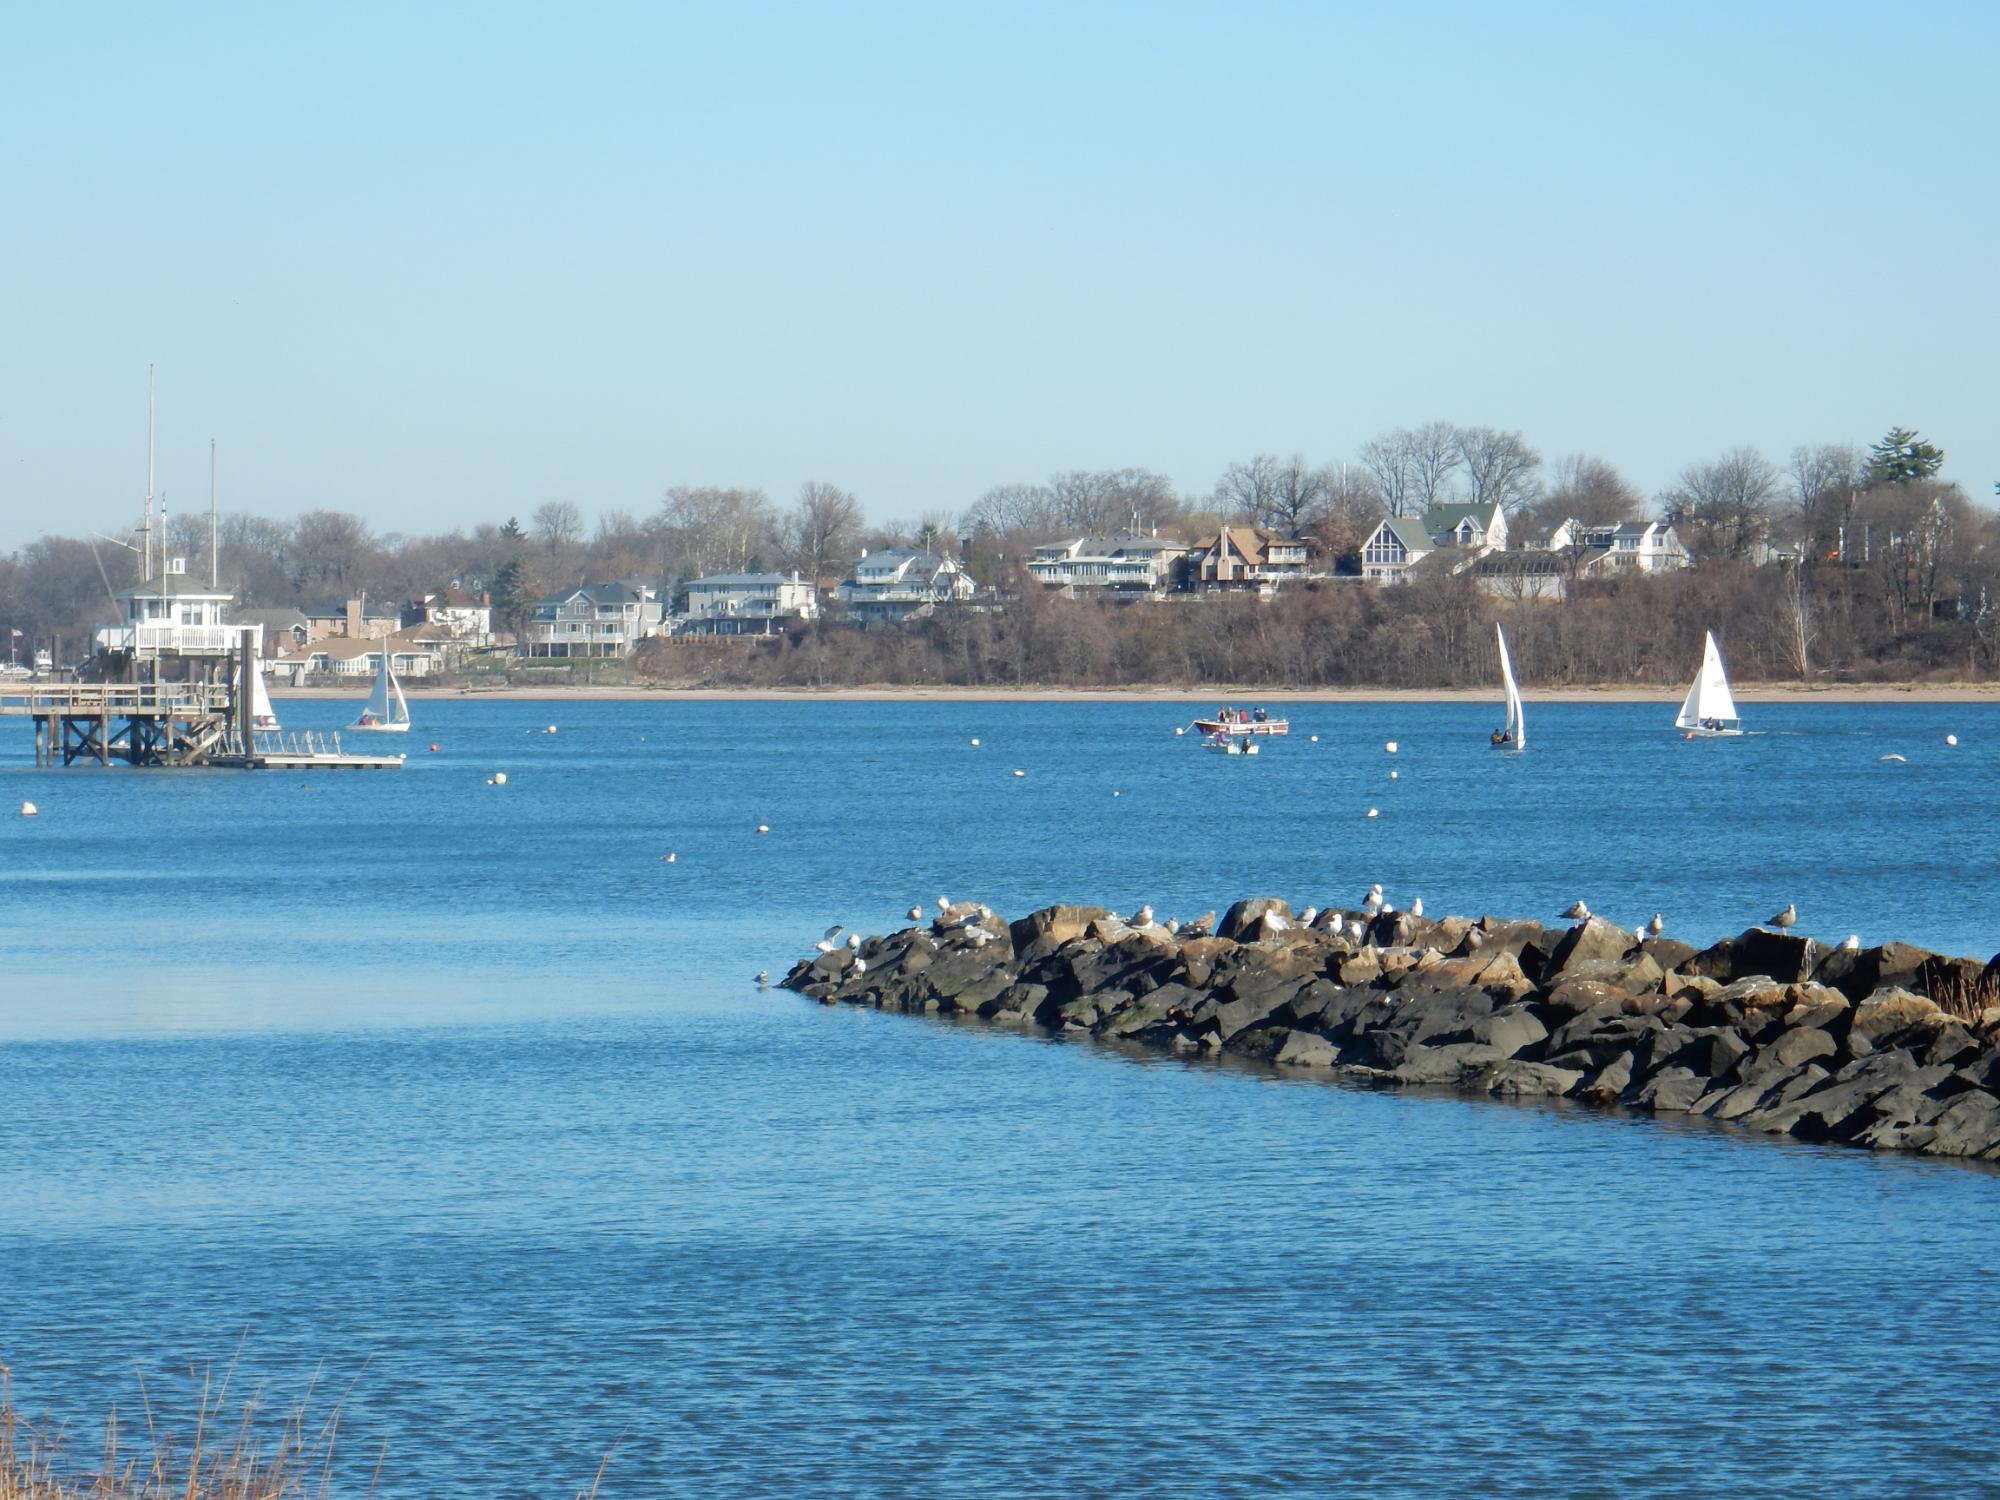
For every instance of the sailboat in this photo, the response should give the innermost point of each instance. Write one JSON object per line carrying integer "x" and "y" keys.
{"x": 262, "y": 715}
{"x": 385, "y": 712}
{"x": 1709, "y": 711}
{"x": 1513, "y": 734}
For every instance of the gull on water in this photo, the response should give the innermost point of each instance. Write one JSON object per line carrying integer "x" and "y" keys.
{"x": 1784, "y": 918}
{"x": 763, "y": 978}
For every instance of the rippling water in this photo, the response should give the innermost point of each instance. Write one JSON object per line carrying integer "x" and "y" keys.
{"x": 461, "y": 1094}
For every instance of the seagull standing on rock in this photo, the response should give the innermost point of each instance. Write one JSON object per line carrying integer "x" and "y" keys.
{"x": 1372, "y": 902}
{"x": 1143, "y": 917}
{"x": 853, "y": 940}
{"x": 1577, "y": 912}
{"x": 1655, "y": 927}
{"x": 1851, "y": 943}
{"x": 1785, "y": 918}
{"x": 831, "y": 941}
{"x": 916, "y": 914}
{"x": 1417, "y": 907}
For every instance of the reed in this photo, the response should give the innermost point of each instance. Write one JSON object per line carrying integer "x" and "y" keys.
{"x": 215, "y": 1452}
{"x": 1965, "y": 999}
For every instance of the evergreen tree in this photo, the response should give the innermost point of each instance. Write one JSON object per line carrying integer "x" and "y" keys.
{"x": 1902, "y": 457}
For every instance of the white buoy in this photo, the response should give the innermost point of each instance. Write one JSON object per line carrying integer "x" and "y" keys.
{"x": 550, "y": 730}
{"x": 1390, "y": 747}
{"x": 1373, "y": 814}
{"x": 763, "y": 827}
{"x": 499, "y": 778}
{"x": 1020, "y": 773}
{"x": 975, "y": 742}
{"x": 1393, "y": 775}
{"x": 1314, "y": 738}
{"x": 1951, "y": 739}
{"x": 29, "y": 810}
{"x": 1181, "y": 730}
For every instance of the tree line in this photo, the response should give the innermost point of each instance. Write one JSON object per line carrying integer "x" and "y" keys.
{"x": 1903, "y": 544}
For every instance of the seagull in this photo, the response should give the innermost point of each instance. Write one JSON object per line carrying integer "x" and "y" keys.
{"x": 854, "y": 940}
{"x": 1373, "y": 900}
{"x": 978, "y": 936}
{"x": 828, "y": 943}
{"x": 1474, "y": 939}
{"x": 1306, "y": 917}
{"x": 1417, "y": 907}
{"x": 916, "y": 914}
{"x": 1336, "y": 926}
{"x": 1655, "y": 927}
{"x": 1577, "y": 912}
{"x": 1785, "y": 918}
{"x": 1851, "y": 943}
{"x": 944, "y": 903}
{"x": 1173, "y": 925}
{"x": 1272, "y": 922}
{"x": 1143, "y": 917}
{"x": 859, "y": 966}
{"x": 763, "y": 978}
{"x": 668, "y": 857}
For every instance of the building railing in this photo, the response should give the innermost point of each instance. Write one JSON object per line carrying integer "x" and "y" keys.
{"x": 113, "y": 699}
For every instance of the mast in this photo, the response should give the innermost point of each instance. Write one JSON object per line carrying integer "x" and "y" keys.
{"x": 146, "y": 525}
{"x": 214, "y": 560}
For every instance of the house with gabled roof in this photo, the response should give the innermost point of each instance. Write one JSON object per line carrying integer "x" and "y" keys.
{"x": 1248, "y": 557}
{"x": 901, "y": 583}
{"x": 1394, "y": 547}
{"x": 593, "y": 620}
{"x": 746, "y": 604}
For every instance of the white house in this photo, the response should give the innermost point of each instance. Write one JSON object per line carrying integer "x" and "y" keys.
{"x": 465, "y": 617}
{"x": 170, "y": 616}
{"x": 1126, "y": 563}
{"x": 1398, "y": 543}
{"x": 1648, "y": 546}
{"x": 892, "y": 586}
{"x": 592, "y": 620}
{"x": 746, "y": 603}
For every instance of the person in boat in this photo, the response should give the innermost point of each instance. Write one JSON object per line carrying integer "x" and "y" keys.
{"x": 1261, "y": 716}
{"x": 1502, "y": 737}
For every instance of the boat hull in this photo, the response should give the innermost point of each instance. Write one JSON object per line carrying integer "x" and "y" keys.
{"x": 1711, "y": 734}
{"x": 379, "y": 728}
{"x": 1252, "y": 729}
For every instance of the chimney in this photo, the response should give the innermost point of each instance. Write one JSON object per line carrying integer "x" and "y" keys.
{"x": 354, "y": 619}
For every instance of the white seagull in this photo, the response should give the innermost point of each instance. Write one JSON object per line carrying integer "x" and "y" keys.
{"x": 1851, "y": 943}
{"x": 1417, "y": 907}
{"x": 1373, "y": 900}
{"x": 854, "y": 940}
{"x": 1143, "y": 917}
{"x": 832, "y": 939}
{"x": 1577, "y": 912}
{"x": 1786, "y": 917}
{"x": 1655, "y": 927}
{"x": 916, "y": 914}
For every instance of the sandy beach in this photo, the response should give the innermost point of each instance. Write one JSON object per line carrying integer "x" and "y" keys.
{"x": 1969, "y": 692}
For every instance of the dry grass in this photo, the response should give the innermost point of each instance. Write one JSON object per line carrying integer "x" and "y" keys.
{"x": 213, "y": 1453}
{"x": 224, "y": 1456}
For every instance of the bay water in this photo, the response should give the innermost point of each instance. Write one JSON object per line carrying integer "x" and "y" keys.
{"x": 462, "y": 1099}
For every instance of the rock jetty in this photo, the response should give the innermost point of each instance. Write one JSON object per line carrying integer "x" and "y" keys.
{"x": 1889, "y": 1047}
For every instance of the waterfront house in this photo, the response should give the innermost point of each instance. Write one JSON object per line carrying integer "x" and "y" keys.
{"x": 746, "y": 604}
{"x": 1399, "y": 543}
{"x": 465, "y": 617}
{"x": 351, "y": 619}
{"x": 1537, "y": 573}
{"x": 1643, "y": 546}
{"x": 1126, "y": 564}
{"x": 1245, "y": 558}
{"x": 889, "y": 587}
{"x": 171, "y": 615}
{"x": 593, "y": 620}
{"x": 349, "y": 658}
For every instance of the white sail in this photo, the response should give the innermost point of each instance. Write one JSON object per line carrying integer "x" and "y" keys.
{"x": 262, "y": 715}
{"x": 385, "y": 711}
{"x": 1708, "y": 704}
{"x": 1516, "y": 728}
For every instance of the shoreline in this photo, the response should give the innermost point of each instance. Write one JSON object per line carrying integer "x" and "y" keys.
{"x": 1904, "y": 692}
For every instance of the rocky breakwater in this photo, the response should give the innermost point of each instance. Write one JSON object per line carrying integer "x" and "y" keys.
{"x": 1889, "y": 1047}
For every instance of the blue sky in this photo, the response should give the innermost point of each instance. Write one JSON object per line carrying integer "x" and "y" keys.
{"x": 439, "y": 264}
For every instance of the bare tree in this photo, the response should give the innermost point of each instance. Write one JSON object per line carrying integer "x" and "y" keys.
{"x": 1824, "y": 480}
{"x": 821, "y": 529}
{"x": 1299, "y": 498}
{"x": 328, "y": 546}
{"x": 559, "y": 524}
{"x": 1722, "y": 508}
{"x": 1590, "y": 490}
{"x": 1246, "y": 488}
{"x": 1500, "y": 468}
{"x": 709, "y": 529}
{"x": 1027, "y": 510}
{"x": 1413, "y": 466}
{"x": 1798, "y": 621}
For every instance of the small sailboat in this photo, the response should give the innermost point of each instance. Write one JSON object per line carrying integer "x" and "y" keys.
{"x": 1708, "y": 711}
{"x": 385, "y": 712}
{"x": 262, "y": 715}
{"x": 1513, "y": 734}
